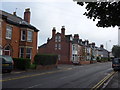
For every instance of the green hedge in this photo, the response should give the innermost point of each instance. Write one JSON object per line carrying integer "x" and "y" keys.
{"x": 102, "y": 59}
{"x": 21, "y": 63}
{"x": 45, "y": 59}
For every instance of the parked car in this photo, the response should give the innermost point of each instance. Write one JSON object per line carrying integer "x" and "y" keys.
{"x": 7, "y": 63}
{"x": 116, "y": 64}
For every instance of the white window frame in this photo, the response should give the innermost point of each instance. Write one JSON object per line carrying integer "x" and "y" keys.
{"x": 29, "y": 36}
{"x": 23, "y": 35}
{"x": 55, "y": 46}
{"x": 59, "y": 46}
{"x": 20, "y": 55}
{"x": 29, "y": 53}
{"x": 59, "y": 56}
{"x": 8, "y": 32}
{"x": 57, "y": 38}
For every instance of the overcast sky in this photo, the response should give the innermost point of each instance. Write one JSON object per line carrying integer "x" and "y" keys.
{"x": 48, "y": 14}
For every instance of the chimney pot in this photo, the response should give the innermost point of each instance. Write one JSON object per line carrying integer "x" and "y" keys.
{"x": 53, "y": 31}
{"x": 63, "y": 30}
{"x": 14, "y": 13}
{"x": 76, "y": 36}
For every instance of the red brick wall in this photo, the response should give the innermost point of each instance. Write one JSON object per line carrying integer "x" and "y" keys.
{"x": 65, "y": 51}
{"x": 84, "y": 62}
{"x": 15, "y": 42}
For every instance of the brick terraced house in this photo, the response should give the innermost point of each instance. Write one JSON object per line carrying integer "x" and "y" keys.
{"x": 59, "y": 44}
{"x": 68, "y": 48}
{"x": 18, "y": 37}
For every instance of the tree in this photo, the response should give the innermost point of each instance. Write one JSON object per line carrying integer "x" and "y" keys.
{"x": 116, "y": 51}
{"x": 107, "y": 13}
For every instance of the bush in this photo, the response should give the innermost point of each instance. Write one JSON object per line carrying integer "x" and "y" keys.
{"x": 21, "y": 63}
{"x": 45, "y": 59}
{"x": 33, "y": 66}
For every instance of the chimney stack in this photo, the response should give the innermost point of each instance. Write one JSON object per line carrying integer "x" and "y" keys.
{"x": 27, "y": 15}
{"x": 53, "y": 31}
{"x": 101, "y": 46}
{"x": 63, "y": 30}
{"x": 76, "y": 36}
{"x": 14, "y": 13}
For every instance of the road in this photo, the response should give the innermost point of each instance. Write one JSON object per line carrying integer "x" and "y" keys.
{"x": 65, "y": 76}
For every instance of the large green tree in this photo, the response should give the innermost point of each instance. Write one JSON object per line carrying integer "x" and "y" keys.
{"x": 116, "y": 51}
{"x": 107, "y": 13}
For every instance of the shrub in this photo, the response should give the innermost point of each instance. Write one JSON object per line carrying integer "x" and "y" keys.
{"x": 45, "y": 59}
{"x": 21, "y": 63}
{"x": 33, "y": 66}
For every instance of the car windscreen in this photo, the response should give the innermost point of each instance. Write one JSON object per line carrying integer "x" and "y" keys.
{"x": 7, "y": 58}
{"x": 116, "y": 60}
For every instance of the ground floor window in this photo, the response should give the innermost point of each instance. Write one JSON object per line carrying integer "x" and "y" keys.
{"x": 58, "y": 57}
{"x": 7, "y": 50}
{"x": 28, "y": 53}
{"x": 21, "y": 52}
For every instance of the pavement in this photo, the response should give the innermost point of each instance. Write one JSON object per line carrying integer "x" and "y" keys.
{"x": 115, "y": 81}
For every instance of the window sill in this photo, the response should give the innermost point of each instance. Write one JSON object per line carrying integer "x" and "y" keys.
{"x": 8, "y": 38}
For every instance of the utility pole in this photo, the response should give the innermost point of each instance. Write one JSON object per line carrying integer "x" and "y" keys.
{"x": 119, "y": 35}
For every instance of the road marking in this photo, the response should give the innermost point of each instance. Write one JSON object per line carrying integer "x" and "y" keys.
{"x": 15, "y": 78}
{"x": 102, "y": 81}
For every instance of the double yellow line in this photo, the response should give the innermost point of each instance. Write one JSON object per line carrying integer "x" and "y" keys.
{"x": 33, "y": 75}
{"x": 103, "y": 81}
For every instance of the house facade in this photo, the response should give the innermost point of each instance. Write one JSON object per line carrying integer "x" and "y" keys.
{"x": 18, "y": 36}
{"x": 101, "y": 52}
{"x": 60, "y": 44}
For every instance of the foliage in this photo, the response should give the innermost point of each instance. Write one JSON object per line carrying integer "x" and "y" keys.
{"x": 21, "y": 63}
{"x": 102, "y": 59}
{"x": 45, "y": 59}
{"x": 32, "y": 66}
{"x": 116, "y": 51}
{"x": 107, "y": 13}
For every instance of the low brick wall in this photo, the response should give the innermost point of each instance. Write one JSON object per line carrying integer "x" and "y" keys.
{"x": 84, "y": 62}
{"x": 93, "y": 61}
{"x": 40, "y": 67}
{"x": 65, "y": 62}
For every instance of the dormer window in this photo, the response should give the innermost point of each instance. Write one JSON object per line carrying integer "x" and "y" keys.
{"x": 8, "y": 32}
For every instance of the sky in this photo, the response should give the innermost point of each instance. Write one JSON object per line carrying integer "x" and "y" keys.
{"x": 46, "y": 14}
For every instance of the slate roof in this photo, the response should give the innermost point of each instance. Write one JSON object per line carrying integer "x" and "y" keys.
{"x": 43, "y": 46}
{"x": 15, "y": 20}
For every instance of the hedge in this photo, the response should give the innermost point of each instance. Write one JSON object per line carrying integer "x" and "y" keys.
{"x": 45, "y": 59}
{"x": 103, "y": 59}
{"x": 21, "y": 63}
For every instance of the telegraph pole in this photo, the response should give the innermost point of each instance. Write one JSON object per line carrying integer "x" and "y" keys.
{"x": 119, "y": 35}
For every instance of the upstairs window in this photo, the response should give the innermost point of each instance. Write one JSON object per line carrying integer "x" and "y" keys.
{"x": 58, "y": 38}
{"x": 29, "y": 36}
{"x": 73, "y": 47}
{"x": 23, "y": 35}
{"x": 55, "y": 46}
{"x": 8, "y": 32}
{"x": 59, "y": 46}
